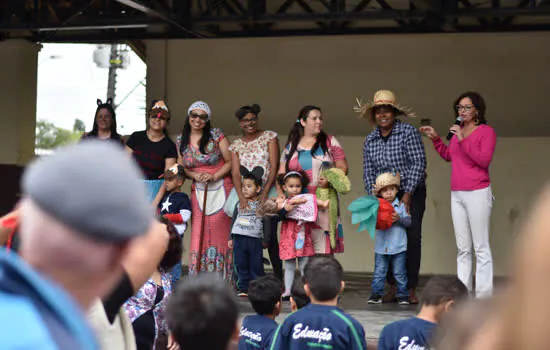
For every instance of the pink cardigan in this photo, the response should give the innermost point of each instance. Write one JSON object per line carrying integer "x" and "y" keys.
{"x": 470, "y": 158}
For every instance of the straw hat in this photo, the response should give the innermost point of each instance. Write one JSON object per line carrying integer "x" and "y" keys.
{"x": 382, "y": 98}
{"x": 385, "y": 180}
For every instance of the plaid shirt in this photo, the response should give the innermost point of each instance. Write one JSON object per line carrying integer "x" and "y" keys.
{"x": 403, "y": 152}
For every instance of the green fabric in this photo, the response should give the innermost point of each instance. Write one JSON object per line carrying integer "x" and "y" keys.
{"x": 364, "y": 211}
{"x": 329, "y": 194}
{"x": 337, "y": 179}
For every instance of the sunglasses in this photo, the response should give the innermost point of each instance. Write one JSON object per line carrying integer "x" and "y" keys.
{"x": 203, "y": 117}
{"x": 160, "y": 117}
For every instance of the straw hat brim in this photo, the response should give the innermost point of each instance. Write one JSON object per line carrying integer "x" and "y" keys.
{"x": 364, "y": 109}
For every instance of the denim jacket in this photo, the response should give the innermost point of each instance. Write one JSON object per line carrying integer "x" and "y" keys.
{"x": 394, "y": 240}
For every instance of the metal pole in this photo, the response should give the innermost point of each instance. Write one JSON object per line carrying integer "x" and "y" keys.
{"x": 113, "y": 66}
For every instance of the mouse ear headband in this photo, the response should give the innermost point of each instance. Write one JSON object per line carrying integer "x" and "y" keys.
{"x": 256, "y": 173}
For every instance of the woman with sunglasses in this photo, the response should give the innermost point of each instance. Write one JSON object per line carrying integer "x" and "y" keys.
{"x": 154, "y": 151}
{"x": 205, "y": 156}
{"x": 470, "y": 152}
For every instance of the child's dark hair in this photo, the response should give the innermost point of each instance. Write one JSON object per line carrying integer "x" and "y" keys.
{"x": 173, "y": 253}
{"x": 323, "y": 275}
{"x": 298, "y": 293}
{"x": 254, "y": 175}
{"x": 169, "y": 175}
{"x": 281, "y": 178}
{"x": 441, "y": 289}
{"x": 202, "y": 313}
{"x": 264, "y": 293}
{"x": 244, "y": 110}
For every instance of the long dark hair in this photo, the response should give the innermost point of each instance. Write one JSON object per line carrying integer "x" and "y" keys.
{"x": 477, "y": 101}
{"x": 173, "y": 253}
{"x": 186, "y": 136}
{"x": 297, "y": 132}
{"x": 108, "y": 105}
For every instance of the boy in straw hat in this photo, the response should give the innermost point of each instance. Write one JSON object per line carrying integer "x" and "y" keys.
{"x": 390, "y": 247}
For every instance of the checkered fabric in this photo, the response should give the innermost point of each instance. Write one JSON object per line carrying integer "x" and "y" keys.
{"x": 403, "y": 152}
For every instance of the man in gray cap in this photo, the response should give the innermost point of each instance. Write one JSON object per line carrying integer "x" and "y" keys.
{"x": 81, "y": 209}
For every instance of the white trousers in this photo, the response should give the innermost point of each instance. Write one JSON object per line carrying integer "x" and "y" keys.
{"x": 471, "y": 212}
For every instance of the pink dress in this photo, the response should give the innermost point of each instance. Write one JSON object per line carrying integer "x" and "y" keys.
{"x": 289, "y": 232}
{"x": 303, "y": 160}
{"x": 214, "y": 256}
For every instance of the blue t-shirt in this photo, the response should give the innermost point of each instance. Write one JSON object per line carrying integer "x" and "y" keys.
{"x": 412, "y": 333}
{"x": 320, "y": 327}
{"x": 256, "y": 332}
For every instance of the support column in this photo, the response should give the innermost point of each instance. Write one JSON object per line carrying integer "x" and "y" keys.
{"x": 18, "y": 74}
{"x": 157, "y": 65}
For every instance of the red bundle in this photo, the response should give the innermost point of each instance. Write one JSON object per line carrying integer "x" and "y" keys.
{"x": 384, "y": 219}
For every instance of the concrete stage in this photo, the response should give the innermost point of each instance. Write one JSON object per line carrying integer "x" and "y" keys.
{"x": 354, "y": 301}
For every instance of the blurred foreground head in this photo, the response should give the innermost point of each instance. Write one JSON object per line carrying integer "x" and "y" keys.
{"x": 81, "y": 208}
{"x": 202, "y": 313}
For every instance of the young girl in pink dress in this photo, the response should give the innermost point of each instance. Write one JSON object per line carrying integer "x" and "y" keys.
{"x": 293, "y": 183}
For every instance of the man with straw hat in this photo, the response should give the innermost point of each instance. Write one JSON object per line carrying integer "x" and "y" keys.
{"x": 396, "y": 146}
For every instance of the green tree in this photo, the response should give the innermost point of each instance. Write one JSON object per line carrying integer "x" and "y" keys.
{"x": 79, "y": 126}
{"x": 49, "y": 136}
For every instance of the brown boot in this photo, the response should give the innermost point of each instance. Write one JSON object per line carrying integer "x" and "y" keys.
{"x": 413, "y": 299}
{"x": 391, "y": 295}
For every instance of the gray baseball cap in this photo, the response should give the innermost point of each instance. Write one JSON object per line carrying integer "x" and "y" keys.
{"x": 94, "y": 187}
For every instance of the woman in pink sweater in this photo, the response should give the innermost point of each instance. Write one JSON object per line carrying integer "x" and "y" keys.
{"x": 470, "y": 152}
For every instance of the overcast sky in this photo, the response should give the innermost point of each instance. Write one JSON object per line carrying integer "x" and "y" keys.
{"x": 69, "y": 83}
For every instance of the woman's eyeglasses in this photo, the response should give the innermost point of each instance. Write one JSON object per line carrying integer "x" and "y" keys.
{"x": 203, "y": 117}
{"x": 465, "y": 108}
{"x": 249, "y": 120}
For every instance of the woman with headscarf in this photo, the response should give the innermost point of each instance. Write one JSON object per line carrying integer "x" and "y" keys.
{"x": 205, "y": 156}
{"x": 395, "y": 146}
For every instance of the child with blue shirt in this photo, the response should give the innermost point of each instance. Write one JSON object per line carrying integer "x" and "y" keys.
{"x": 390, "y": 246}
{"x": 440, "y": 295}
{"x": 321, "y": 324}
{"x": 257, "y": 330}
{"x": 175, "y": 206}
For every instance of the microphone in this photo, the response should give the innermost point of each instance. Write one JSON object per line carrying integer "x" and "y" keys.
{"x": 458, "y": 121}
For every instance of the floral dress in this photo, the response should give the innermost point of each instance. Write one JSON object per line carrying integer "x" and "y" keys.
{"x": 303, "y": 160}
{"x": 255, "y": 153}
{"x": 215, "y": 256}
{"x": 149, "y": 302}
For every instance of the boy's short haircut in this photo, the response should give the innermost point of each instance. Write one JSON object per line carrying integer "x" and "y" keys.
{"x": 323, "y": 275}
{"x": 441, "y": 289}
{"x": 169, "y": 175}
{"x": 202, "y": 313}
{"x": 298, "y": 293}
{"x": 264, "y": 293}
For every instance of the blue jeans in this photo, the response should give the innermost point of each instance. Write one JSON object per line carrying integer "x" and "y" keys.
{"x": 176, "y": 274}
{"x": 381, "y": 264}
{"x": 247, "y": 260}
